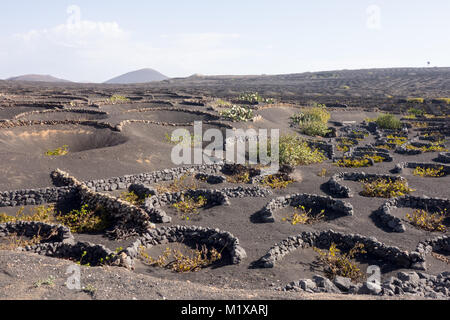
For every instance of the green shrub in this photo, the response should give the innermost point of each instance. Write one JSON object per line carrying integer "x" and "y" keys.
{"x": 385, "y": 188}
{"x": 85, "y": 219}
{"x": 276, "y": 181}
{"x": 188, "y": 139}
{"x": 389, "y": 121}
{"x": 295, "y": 151}
{"x": 318, "y": 113}
{"x": 179, "y": 262}
{"x": 237, "y": 114}
{"x": 118, "y": 99}
{"x": 314, "y": 128}
{"x": 312, "y": 121}
{"x": 223, "y": 103}
{"x": 254, "y": 97}
{"x": 132, "y": 198}
{"x": 397, "y": 140}
{"x": 189, "y": 206}
{"x": 416, "y": 112}
{"x": 434, "y": 147}
{"x": 353, "y": 163}
{"x": 336, "y": 263}
{"x": 429, "y": 172}
{"x": 62, "y": 151}
{"x": 428, "y": 221}
{"x": 303, "y": 216}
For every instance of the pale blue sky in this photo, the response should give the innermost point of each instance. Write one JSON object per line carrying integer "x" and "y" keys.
{"x": 179, "y": 38}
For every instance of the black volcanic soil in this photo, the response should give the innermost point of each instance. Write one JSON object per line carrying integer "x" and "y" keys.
{"x": 141, "y": 147}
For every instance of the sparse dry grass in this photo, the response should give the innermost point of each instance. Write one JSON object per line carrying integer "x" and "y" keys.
{"x": 185, "y": 182}
{"x": 175, "y": 260}
{"x": 385, "y": 188}
{"x": 428, "y": 221}
{"x": 429, "y": 172}
{"x": 303, "y": 216}
{"x": 189, "y": 206}
{"x": 336, "y": 263}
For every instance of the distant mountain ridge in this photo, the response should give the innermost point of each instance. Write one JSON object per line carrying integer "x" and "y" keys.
{"x": 37, "y": 78}
{"x": 138, "y": 76}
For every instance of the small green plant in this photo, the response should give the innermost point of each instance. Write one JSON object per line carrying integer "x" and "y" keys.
{"x": 389, "y": 121}
{"x": 342, "y": 147}
{"x": 89, "y": 289}
{"x": 237, "y": 114}
{"x": 118, "y": 99}
{"x": 239, "y": 177}
{"x": 50, "y": 281}
{"x": 429, "y": 172}
{"x": 132, "y": 198}
{"x": 322, "y": 173}
{"x": 368, "y": 120}
{"x": 359, "y": 135}
{"x": 419, "y": 124}
{"x": 433, "y": 116}
{"x": 85, "y": 219}
{"x": 374, "y": 157}
{"x": 83, "y": 254}
{"x": 385, "y": 188}
{"x": 435, "y": 135}
{"x": 428, "y": 221}
{"x": 397, "y": 140}
{"x": 188, "y": 139}
{"x": 352, "y": 163}
{"x": 223, "y": 103}
{"x": 385, "y": 146}
{"x": 345, "y": 144}
{"x": 254, "y": 97}
{"x": 276, "y": 181}
{"x": 189, "y": 206}
{"x": 416, "y": 112}
{"x": 61, "y": 151}
{"x": 415, "y": 100}
{"x": 303, "y": 216}
{"x": 337, "y": 264}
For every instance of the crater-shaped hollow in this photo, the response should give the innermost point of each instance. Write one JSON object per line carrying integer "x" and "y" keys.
{"x": 40, "y": 139}
{"x": 65, "y": 115}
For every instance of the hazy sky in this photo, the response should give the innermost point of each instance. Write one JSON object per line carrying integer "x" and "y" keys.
{"x": 84, "y": 40}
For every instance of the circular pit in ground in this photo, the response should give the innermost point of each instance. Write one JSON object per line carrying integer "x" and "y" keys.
{"x": 41, "y": 139}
